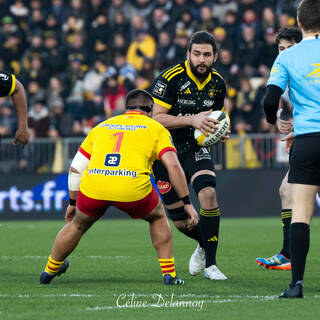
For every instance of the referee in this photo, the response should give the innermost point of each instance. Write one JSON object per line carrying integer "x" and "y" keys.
{"x": 10, "y": 86}
{"x": 299, "y": 68}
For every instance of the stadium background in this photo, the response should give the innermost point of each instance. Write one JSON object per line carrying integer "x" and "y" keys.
{"x": 78, "y": 59}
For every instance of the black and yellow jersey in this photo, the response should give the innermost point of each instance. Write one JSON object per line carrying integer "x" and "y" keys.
{"x": 7, "y": 84}
{"x": 178, "y": 90}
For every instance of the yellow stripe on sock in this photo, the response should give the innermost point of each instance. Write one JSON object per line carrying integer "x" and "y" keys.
{"x": 167, "y": 266}
{"x": 210, "y": 213}
{"x": 53, "y": 266}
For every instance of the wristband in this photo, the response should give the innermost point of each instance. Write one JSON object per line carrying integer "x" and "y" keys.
{"x": 72, "y": 202}
{"x": 186, "y": 200}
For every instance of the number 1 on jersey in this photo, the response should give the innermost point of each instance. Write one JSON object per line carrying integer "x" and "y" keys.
{"x": 117, "y": 141}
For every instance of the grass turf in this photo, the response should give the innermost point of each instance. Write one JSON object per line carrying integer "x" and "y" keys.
{"x": 115, "y": 261}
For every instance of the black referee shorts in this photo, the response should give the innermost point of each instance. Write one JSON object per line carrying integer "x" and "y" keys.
{"x": 305, "y": 160}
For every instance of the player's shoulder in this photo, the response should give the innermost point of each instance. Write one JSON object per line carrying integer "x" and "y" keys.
{"x": 216, "y": 75}
{"x": 172, "y": 72}
{"x": 7, "y": 83}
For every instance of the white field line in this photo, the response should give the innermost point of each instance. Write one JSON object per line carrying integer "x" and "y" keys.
{"x": 83, "y": 257}
{"x": 64, "y": 295}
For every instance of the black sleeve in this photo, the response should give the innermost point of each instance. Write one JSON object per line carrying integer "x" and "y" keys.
{"x": 7, "y": 84}
{"x": 271, "y": 102}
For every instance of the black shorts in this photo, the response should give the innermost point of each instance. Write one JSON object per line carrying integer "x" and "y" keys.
{"x": 305, "y": 160}
{"x": 191, "y": 161}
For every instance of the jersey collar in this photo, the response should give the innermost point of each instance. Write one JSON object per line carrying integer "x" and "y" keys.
{"x": 135, "y": 112}
{"x": 311, "y": 37}
{"x": 200, "y": 85}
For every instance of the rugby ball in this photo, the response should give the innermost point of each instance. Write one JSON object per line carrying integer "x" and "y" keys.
{"x": 215, "y": 137}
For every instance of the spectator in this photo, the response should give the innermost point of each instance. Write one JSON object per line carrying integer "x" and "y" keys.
{"x": 231, "y": 26}
{"x": 35, "y": 92}
{"x": 269, "y": 51}
{"x": 186, "y": 23}
{"x": 179, "y": 6}
{"x": 180, "y": 47}
{"x": 54, "y": 54}
{"x": 59, "y": 10}
{"x": 39, "y": 119}
{"x": 221, "y": 7}
{"x": 165, "y": 52}
{"x": 143, "y": 47}
{"x": 94, "y": 77}
{"x": 249, "y": 50}
{"x": 121, "y": 25}
{"x": 114, "y": 97}
{"x": 142, "y": 8}
{"x": 61, "y": 122}
{"x": 268, "y": 19}
{"x": 159, "y": 21}
{"x": 207, "y": 22}
{"x": 228, "y": 68}
{"x": 8, "y": 122}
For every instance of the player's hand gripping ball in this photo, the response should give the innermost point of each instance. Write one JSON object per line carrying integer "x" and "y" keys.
{"x": 215, "y": 137}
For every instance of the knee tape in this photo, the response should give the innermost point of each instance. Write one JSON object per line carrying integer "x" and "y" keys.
{"x": 203, "y": 181}
{"x": 177, "y": 214}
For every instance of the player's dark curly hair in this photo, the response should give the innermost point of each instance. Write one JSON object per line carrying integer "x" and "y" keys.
{"x": 309, "y": 15}
{"x": 203, "y": 37}
{"x": 292, "y": 34}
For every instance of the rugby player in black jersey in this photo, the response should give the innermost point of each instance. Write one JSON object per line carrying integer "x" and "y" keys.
{"x": 184, "y": 95}
{"x": 10, "y": 86}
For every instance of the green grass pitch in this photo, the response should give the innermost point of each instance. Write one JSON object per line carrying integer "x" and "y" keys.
{"x": 115, "y": 261}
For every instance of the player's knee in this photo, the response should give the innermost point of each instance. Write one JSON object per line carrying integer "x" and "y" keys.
{"x": 203, "y": 183}
{"x": 207, "y": 193}
{"x": 181, "y": 225}
{"x": 285, "y": 192}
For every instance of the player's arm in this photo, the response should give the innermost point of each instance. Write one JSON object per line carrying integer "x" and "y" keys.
{"x": 276, "y": 85}
{"x": 12, "y": 87}
{"x": 199, "y": 121}
{"x": 178, "y": 180}
{"x": 271, "y": 102}
{"x": 79, "y": 163}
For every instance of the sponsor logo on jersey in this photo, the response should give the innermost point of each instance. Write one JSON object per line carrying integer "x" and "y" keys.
{"x": 184, "y": 86}
{"x": 163, "y": 186}
{"x": 202, "y": 154}
{"x": 159, "y": 89}
{"x": 274, "y": 70}
{"x": 187, "y": 91}
{"x": 4, "y": 76}
{"x": 119, "y": 172}
{"x": 208, "y": 103}
{"x": 316, "y": 72}
{"x": 112, "y": 160}
{"x": 187, "y": 102}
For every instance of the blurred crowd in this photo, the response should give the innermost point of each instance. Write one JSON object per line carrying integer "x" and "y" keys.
{"x": 78, "y": 58}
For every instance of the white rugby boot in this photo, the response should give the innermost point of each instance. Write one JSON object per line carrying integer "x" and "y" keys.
{"x": 213, "y": 273}
{"x": 197, "y": 261}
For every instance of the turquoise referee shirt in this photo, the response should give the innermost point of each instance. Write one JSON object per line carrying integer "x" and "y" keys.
{"x": 299, "y": 68}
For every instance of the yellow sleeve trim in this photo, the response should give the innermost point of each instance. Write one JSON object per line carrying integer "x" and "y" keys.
{"x": 13, "y": 85}
{"x": 215, "y": 72}
{"x": 174, "y": 74}
{"x": 163, "y": 104}
{"x": 171, "y": 70}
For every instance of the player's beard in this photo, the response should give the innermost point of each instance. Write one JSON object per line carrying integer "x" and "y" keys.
{"x": 200, "y": 75}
